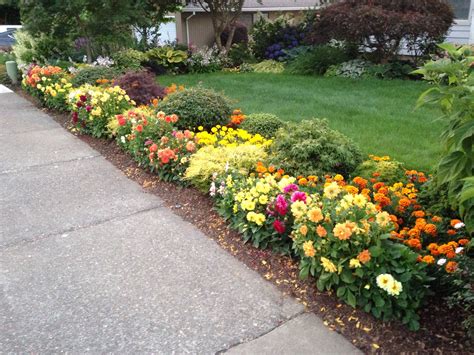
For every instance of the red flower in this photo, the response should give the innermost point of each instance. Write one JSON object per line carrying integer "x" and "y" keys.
{"x": 153, "y": 148}
{"x": 279, "y": 226}
{"x": 75, "y": 117}
{"x": 139, "y": 128}
{"x": 83, "y": 98}
{"x": 121, "y": 120}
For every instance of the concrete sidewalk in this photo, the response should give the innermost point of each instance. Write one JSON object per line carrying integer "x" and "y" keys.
{"x": 89, "y": 262}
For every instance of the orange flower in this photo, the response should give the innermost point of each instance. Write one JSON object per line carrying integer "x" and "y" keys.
{"x": 451, "y": 266}
{"x": 315, "y": 215}
{"x": 303, "y": 181}
{"x": 436, "y": 219}
{"x": 428, "y": 259}
{"x": 430, "y": 229}
{"x": 342, "y": 232}
{"x": 454, "y": 222}
{"x": 271, "y": 169}
{"x": 414, "y": 243}
{"x": 261, "y": 168}
{"x": 418, "y": 214}
{"x": 445, "y": 248}
{"x": 404, "y": 202}
{"x": 463, "y": 241}
{"x": 378, "y": 185}
{"x": 304, "y": 229}
{"x": 360, "y": 181}
{"x": 351, "y": 189}
{"x": 321, "y": 231}
{"x": 414, "y": 233}
{"x": 364, "y": 256}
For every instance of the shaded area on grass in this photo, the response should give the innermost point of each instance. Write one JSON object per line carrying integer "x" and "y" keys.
{"x": 379, "y": 115}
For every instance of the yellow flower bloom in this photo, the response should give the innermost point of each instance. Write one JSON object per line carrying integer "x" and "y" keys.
{"x": 354, "y": 263}
{"x": 332, "y": 190}
{"x": 328, "y": 265}
{"x": 298, "y": 209}
{"x": 383, "y": 219}
{"x": 308, "y": 248}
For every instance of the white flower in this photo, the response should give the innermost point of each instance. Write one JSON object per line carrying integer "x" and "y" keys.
{"x": 459, "y": 249}
{"x": 459, "y": 225}
{"x": 212, "y": 190}
{"x": 441, "y": 261}
{"x": 226, "y": 166}
{"x": 122, "y": 139}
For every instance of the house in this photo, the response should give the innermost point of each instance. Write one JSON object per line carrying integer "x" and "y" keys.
{"x": 193, "y": 24}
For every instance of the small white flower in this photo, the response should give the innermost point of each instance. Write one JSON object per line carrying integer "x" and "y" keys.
{"x": 122, "y": 139}
{"x": 459, "y": 249}
{"x": 441, "y": 261}
{"x": 459, "y": 225}
{"x": 212, "y": 190}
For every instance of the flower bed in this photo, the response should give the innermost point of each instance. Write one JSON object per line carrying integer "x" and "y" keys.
{"x": 368, "y": 240}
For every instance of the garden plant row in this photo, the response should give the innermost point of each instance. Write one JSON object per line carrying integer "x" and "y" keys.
{"x": 368, "y": 230}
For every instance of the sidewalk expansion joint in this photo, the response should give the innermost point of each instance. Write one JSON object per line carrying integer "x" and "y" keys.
{"x": 32, "y": 131}
{"x": 45, "y": 236}
{"x": 296, "y": 315}
{"x": 32, "y": 167}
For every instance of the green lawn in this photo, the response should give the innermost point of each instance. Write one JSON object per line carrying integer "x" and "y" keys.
{"x": 377, "y": 114}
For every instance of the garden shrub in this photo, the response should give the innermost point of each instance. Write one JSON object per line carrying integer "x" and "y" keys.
{"x": 198, "y": 107}
{"x": 205, "y": 60}
{"x": 266, "y": 124}
{"x": 90, "y": 74}
{"x": 271, "y": 40}
{"x": 24, "y": 47}
{"x": 129, "y": 59}
{"x": 268, "y": 66}
{"x": 240, "y": 35}
{"x": 4, "y": 79}
{"x": 393, "y": 70}
{"x": 239, "y": 54}
{"x": 140, "y": 86}
{"x": 310, "y": 147}
{"x": 382, "y": 26}
{"x": 317, "y": 60}
{"x": 166, "y": 58}
{"x": 210, "y": 160}
{"x": 387, "y": 170}
{"x": 353, "y": 69}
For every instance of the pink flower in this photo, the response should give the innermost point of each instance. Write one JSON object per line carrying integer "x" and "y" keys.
{"x": 279, "y": 226}
{"x": 75, "y": 117}
{"x": 88, "y": 108}
{"x": 83, "y": 98}
{"x": 298, "y": 196}
{"x": 281, "y": 206}
{"x": 290, "y": 188}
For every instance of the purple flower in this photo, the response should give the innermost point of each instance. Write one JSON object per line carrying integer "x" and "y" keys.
{"x": 290, "y": 188}
{"x": 298, "y": 196}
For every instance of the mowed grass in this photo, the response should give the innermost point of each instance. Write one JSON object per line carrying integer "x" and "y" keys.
{"x": 379, "y": 115}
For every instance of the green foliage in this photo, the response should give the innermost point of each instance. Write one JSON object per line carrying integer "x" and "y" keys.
{"x": 128, "y": 59}
{"x": 390, "y": 171}
{"x": 353, "y": 69}
{"x": 167, "y": 57}
{"x": 24, "y": 47}
{"x": 212, "y": 160}
{"x": 318, "y": 60}
{"x": 90, "y": 75}
{"x": 238, "y": 54}
{"x": 5, "y": 57}
{"x": 198, "y": 107}
{"x": 266, "y": 124}
{"x": 392, "y": 70}
{"x": 310, "y": 147}
{"x": 453, "y": 77}
{"x": 4, "y": 79}
{"x": 268, "y": 66}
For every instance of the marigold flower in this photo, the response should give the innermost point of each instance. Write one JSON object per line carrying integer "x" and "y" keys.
{"x": 451, "y": 232}
{"x": 418, "y": 214}
{"x": 364, "y": 256}
{"x": 451, "y": 266}
{"x": 428, "y": 259}
{"x": 414, "y": 243}
{"x": 404, "y": 202}
{"x": 436, "y": 219}
{"x": 463, "y": 241}
{"x": 354, "y": 263}
{"x": 454, "y": 222}
{"x": 430, "y": 229}
{"x": 360, "y": 181}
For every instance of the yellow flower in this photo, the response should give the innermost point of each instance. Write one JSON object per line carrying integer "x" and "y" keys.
{"x": 332, "y": 190}
{"x": 354, "y": 263}
{"x": 328, "y": 265}
{"x": 248, "y": 205}
{"x": 257, "y": 218}
{"x": 360, "y": 200}
{"x": 298, "y": 209}
{"x": 383, "y": 219}
{"x": 309, "y": 249}
{"x": 395, "y": 288}
{"x": 263, "y": 199}
{"x": 200, "y": 128}
{"x": 315, "y": 215}
{"x": 384, "y": 281}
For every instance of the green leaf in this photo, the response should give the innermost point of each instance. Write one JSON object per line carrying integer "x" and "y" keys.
{"x": 347, "y": 276}
{"x": 341, "y": 291}
{"x": 375, "y": 251}
{"x": 451, "y": 166}
{"x": 379, "y": 301}
{"x": 351, "y": 299}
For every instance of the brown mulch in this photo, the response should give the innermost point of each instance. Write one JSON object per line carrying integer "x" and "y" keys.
{"x": 441, "y": 331}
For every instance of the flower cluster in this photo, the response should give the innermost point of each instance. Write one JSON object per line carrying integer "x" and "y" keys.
{"x": 236, "y": 118}
{"x": 93, "y": 107}
{"x": 37, "y": 74}
{"x": 228, "y": 136}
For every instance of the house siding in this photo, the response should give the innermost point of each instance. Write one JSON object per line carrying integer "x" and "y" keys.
{"x": 460, "y": 33}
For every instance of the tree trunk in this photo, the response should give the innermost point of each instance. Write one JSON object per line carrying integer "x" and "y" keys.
{"x": 230, "y": 38}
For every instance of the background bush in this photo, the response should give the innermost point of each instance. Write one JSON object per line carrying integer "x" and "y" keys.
{"x": 140, "y": 86}
{"x": 4, "y": 79}
{"x": 382, "y": 25}
{"x": 312, "y": 148}
{"x": 317, "y": 60}
{"x": 390, "y": 171}
{"x": 268, "y": 66}
{"x": 129, "y": 59}
{"x": 90, "y": 75}
{"x": 241, "y": 34}
{"x": 266, "y": 124}
{"x": 198, "y": 107}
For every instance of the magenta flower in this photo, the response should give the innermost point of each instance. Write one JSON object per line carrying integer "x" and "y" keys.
{"x": 298, "y": 196}
{"x": 83, "y": 98}
{"x": 88, "y": 108}
{"x": 290, "y": 188}
{"x": 75, "y": 117}
{"x": 281, "y": 206}
{"x": 279, "y": 226}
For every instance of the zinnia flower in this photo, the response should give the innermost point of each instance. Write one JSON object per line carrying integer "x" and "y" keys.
{"x": 290, "y": 188}
{"x": 341, "y": 231}
{"x": 328, "y": 265}
{"x": 298, "y": 196}
{"x": 321, "y": 231}
{"x": 354, "y": 263}
{"x": 315, "y": 215}
{"x": 364, "y": 256}
{"x": 281, "y": 206}
{"x": 279, "y": 226}
{"x": 384, "y": 281}
{"x": 308, "y": 248}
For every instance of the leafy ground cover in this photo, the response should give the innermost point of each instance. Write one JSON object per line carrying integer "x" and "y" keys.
{"x": 379, "y": 115}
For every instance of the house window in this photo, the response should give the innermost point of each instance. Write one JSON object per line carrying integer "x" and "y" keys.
{"x": 461, "y": 9}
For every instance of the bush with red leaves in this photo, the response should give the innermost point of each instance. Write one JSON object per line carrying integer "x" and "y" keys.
{"x": 383, "y": 26}
{"x": 140, "y": 86}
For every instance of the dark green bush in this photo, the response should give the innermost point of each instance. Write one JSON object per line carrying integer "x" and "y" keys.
{"x": 310, "y": 147}
{"x": 317, "y": 60}
{"x": 90, "y": 75}
{"x": 198, "y": 107}
{"x": 266, "y": 124}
